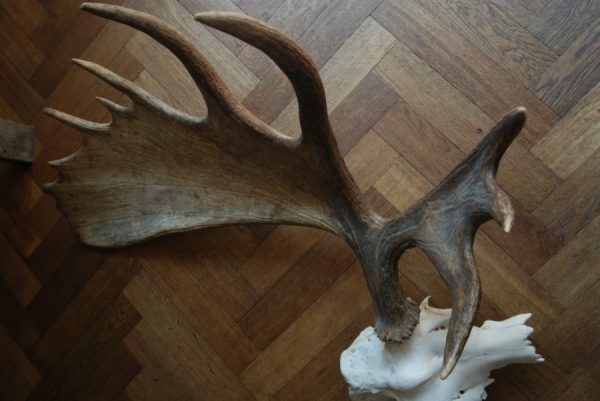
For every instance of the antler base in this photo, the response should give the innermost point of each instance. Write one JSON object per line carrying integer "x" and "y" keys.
{"x": 410, "y": 371}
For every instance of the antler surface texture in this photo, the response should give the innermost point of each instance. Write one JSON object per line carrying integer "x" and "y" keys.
{"x": 155, "y": 170}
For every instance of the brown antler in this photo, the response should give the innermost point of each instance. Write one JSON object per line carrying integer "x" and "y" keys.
{"x": 155, "y": 170}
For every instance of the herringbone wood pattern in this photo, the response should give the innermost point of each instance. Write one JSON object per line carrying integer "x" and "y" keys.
{"x": 260, "y": 312}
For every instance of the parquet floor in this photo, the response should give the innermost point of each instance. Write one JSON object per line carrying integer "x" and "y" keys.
{"x": 260, "y": 312}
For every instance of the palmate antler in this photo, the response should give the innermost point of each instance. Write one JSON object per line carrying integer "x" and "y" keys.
{"x": 155, "y": 170}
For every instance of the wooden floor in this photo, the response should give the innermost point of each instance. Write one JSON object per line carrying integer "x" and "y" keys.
{"x": 260, "y": 312}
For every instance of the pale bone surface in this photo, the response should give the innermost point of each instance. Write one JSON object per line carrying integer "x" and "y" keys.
{"x": 378, "y": 371}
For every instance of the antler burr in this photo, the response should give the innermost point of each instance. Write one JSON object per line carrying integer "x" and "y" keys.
{"x": 155, "y": 170}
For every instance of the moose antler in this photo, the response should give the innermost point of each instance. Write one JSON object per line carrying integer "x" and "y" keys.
{"x": 155, "y": 170}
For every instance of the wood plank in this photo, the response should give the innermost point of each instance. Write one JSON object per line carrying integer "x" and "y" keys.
{"x": 276, "y": 255}
{"x": 581, "y": 383}
{"x": 17, "y": 376}
{"x": 402, "y": 185}
{"x": 444, "y": 107}
{"x": 214, "y": 267}
{"x": 292, "y": 18}
{"x": 105, "y": 335}
{"x": 560, "y": 23}
{"x": 16, "y": 228}
{"x": 182, "y": 357}
{"x": 321, "y": 379}
{"x": 261, "y": 9}
{"x": 24, "y": 192}
{"x": 529, "y": 243}
{"x": 573, "y": 74}
{"x": 418, "y": 141}
{"x": 83, "y": 31}
{"x": 336, "y": 23}
{"x": 16, "y": 274}
{"x": 310, "y": 277}
{"x": 111, "y": 377}
{"x": 216, "y": 243}
{"x": 503, "y": 389}
{"x": 17, "y": 91}
{"x": 15, "y": 318}
{"x": 27, "y": 14}
{"x": 369, "y": 159}
{"x": 497, "y": 34}
{"x": 44, "y": 22}
{"x": 70, "y": 277}
{"x": 533, "y": 379}
{"x": 346, "y": 68}
{"x": 43, "y": 215}
{"x": 179, "y": 279}
{"x": 308, "y": 335}
{"x": 51, "y": 253}
{"x": 510, "y": 288}
{"x": 467, "y": 68}
{"x": 156, "y": 381}
{"x": 17, "y": 46}
{"x": 360, "y": 110}
{"x": 81, "y": 313}
{"x": 574, "y": 138}
{"x": 6, "y": 111}
{"x": 575, "y": 202}
{"x": 575, "y": 268}
{"x": 579, "y": 325}
{"x": 522, "y": 11}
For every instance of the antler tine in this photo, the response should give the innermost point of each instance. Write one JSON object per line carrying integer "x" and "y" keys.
{"x": 216, "y": 94}
{"x": 203, "y": 74}
{"x": 113, "y": 107}
{"x": 76, "y": 122}
{"x": 444, "y": 224}
{"x": 293, "y": 61}
{"x": 137, "y": 94}
{"x": 456, "y": 266}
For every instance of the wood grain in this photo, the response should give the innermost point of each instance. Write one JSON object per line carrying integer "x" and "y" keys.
{"x": 17, "y": 276}
{"x": 573, "y": 74}
{"x": 360, "y": 111}
{"x": 575, "y": 268}
{"x": 497, "y": 34}
{"x": 310, "y": 277}
{"x": 430, "y": 38}
{"x": 444, "y": 107}
{"x": 574, "y": 139}
{"x": 574, "y": 203}
{"x": 70, "y": 373}
{"x": 560, "y": 23}
{"x": 89, "y": 303}
{"x": 304, "y": 339}
{"x": 197, "y": 373}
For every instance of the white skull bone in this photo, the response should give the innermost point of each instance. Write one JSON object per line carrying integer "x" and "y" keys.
{"x": 410, "y": 371}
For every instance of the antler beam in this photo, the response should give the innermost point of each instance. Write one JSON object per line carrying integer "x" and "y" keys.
{"x": 155, "y": 170}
